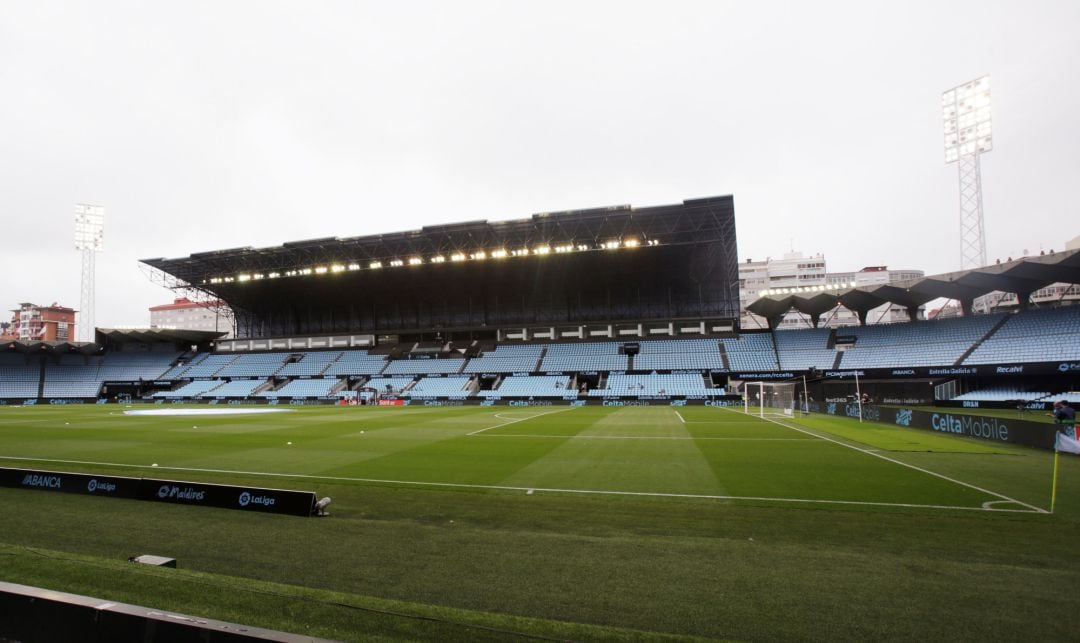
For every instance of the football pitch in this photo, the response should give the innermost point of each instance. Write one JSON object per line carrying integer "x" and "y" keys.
{"x": 572, "y": 523}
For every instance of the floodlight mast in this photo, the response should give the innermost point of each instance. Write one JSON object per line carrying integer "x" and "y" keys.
{"x": 968, "y": 130}
{"x": 89, "y": 237}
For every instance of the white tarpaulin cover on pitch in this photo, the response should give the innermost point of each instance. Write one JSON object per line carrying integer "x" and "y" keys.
{"x": 205, "y": 411}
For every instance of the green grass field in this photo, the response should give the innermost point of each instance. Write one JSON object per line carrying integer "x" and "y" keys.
{"x": 589, "y": 523}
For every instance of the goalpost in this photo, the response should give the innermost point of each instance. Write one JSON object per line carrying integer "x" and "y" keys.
{"x": 769, "y": 399}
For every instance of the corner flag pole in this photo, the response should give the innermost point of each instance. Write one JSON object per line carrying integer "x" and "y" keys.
{"x": 1053, "y": 487}
{"x": 858, "y": 394}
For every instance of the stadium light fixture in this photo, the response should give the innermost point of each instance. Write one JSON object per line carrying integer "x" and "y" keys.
{"x": 457, "y": 256}
{"x": 438, "y": 259}
{"x": 321, "y": 270}
{"x": 337, "y": 268}
{"x": 375, "y": 265}
{"x": 479, "y": 255}
{"x": 564, "y": 248}
{"x": 499, "y": 254}
{"x": 397, "y": 263}
{"x": 354, "y": 266}
{"x": 89, "y": 237}
{"x": 415, "y": 261}
{"x": 968, "y": 130}
{"x": 306, "y": 271}
{"x": 243, "y": 278}
{"x": 582, "y": 247}
{"x": 631, "y": 243}
{"x": 611, "y": 245}
{"x": 542, "y": 250}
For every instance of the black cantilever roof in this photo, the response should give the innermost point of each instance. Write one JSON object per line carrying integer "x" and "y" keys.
{"x": 685, "y": 222}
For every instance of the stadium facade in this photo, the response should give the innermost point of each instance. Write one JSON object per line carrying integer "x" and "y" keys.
{"x": 609, "y": 306}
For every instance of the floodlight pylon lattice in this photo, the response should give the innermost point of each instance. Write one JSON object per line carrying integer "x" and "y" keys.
{"x": 969, "y": 134}
{"x": 89, "y": 239}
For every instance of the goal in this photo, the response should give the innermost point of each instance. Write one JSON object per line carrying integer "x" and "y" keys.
{"x": 769, "y": 398}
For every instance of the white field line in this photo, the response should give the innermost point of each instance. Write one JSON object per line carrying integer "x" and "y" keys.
{"x": 909, "y": 466}
{"x": 638, "y": 437}
{"x": 531, "y": 417}
{"x": 459, "y": 485}
{"x": 679, "y": 416}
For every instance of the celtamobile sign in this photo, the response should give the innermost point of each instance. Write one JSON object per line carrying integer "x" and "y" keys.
{"x": 951, "y": 422}
{"x": 281, "y": 501}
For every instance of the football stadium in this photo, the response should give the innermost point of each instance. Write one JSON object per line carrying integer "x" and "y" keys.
{"x": 552, "y": 427}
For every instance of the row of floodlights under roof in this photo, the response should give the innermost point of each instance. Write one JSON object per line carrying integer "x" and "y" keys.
{"x": 479, "y": 255}
{"x": 806, "y": 289}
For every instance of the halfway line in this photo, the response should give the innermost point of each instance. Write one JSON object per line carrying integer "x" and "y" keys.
{"x": 516, "y": 421}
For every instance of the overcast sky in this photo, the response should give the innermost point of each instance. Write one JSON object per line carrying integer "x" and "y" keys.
{"x": 209, "y": 125}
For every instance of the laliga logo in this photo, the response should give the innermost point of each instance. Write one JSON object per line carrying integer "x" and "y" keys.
{"x": 1066, "y": 367}
{"x": 91, "y": 486}
{"x": 247, "y": 499}
{"x": 163, "y": 492}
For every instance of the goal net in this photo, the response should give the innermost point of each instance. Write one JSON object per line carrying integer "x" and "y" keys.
{"x": 769, "y": 398}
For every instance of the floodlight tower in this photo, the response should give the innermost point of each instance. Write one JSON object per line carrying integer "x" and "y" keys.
{"x": 966, "y": 114}
{"x": 89, "y": 234}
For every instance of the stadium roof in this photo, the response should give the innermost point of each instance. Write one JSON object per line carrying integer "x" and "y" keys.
{"x": 39, "y": 346}
{"x": 1022, "y": 277}
{"x": 113, "y": 335}
{"x": 571, "y": 230}
{"x": 156, "y": 335}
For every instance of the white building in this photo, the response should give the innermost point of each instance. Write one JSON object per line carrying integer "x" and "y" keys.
{"x": 185, "y": 314}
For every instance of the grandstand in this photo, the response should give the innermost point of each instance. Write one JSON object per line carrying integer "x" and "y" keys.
{"x": 1040, "y": 335}
{"x": 440, "y": 387}
{"x": 591, "y": 356}
{"x": 751, "y": 352}
{"x": 356, "y": 362}
{"x": 688, "y": 367}
{"x": 514, "y": 358}
{"x": 618, "y": 302}
{"x": 317, "y": 388}
{"x": 532, "y": 386}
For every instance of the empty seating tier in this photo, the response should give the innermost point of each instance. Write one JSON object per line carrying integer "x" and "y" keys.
{"x": 439, "y": 387}
{"x": 532, "y": 386}
{"x": 1041, "y": 335}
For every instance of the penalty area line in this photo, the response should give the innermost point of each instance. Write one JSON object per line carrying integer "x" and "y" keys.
{"x": 875, "y": 454}
{"x": 530, "y": 490}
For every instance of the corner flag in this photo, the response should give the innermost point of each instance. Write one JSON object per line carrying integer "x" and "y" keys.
{"x": 1067, "y": 443}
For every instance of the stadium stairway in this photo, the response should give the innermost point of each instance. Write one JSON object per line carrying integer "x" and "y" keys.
{"x": 724, "y": 357}
{"x": 839, "y": 354}
{"x": 540, "y": 360}
{"x": 978, "y": 342}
